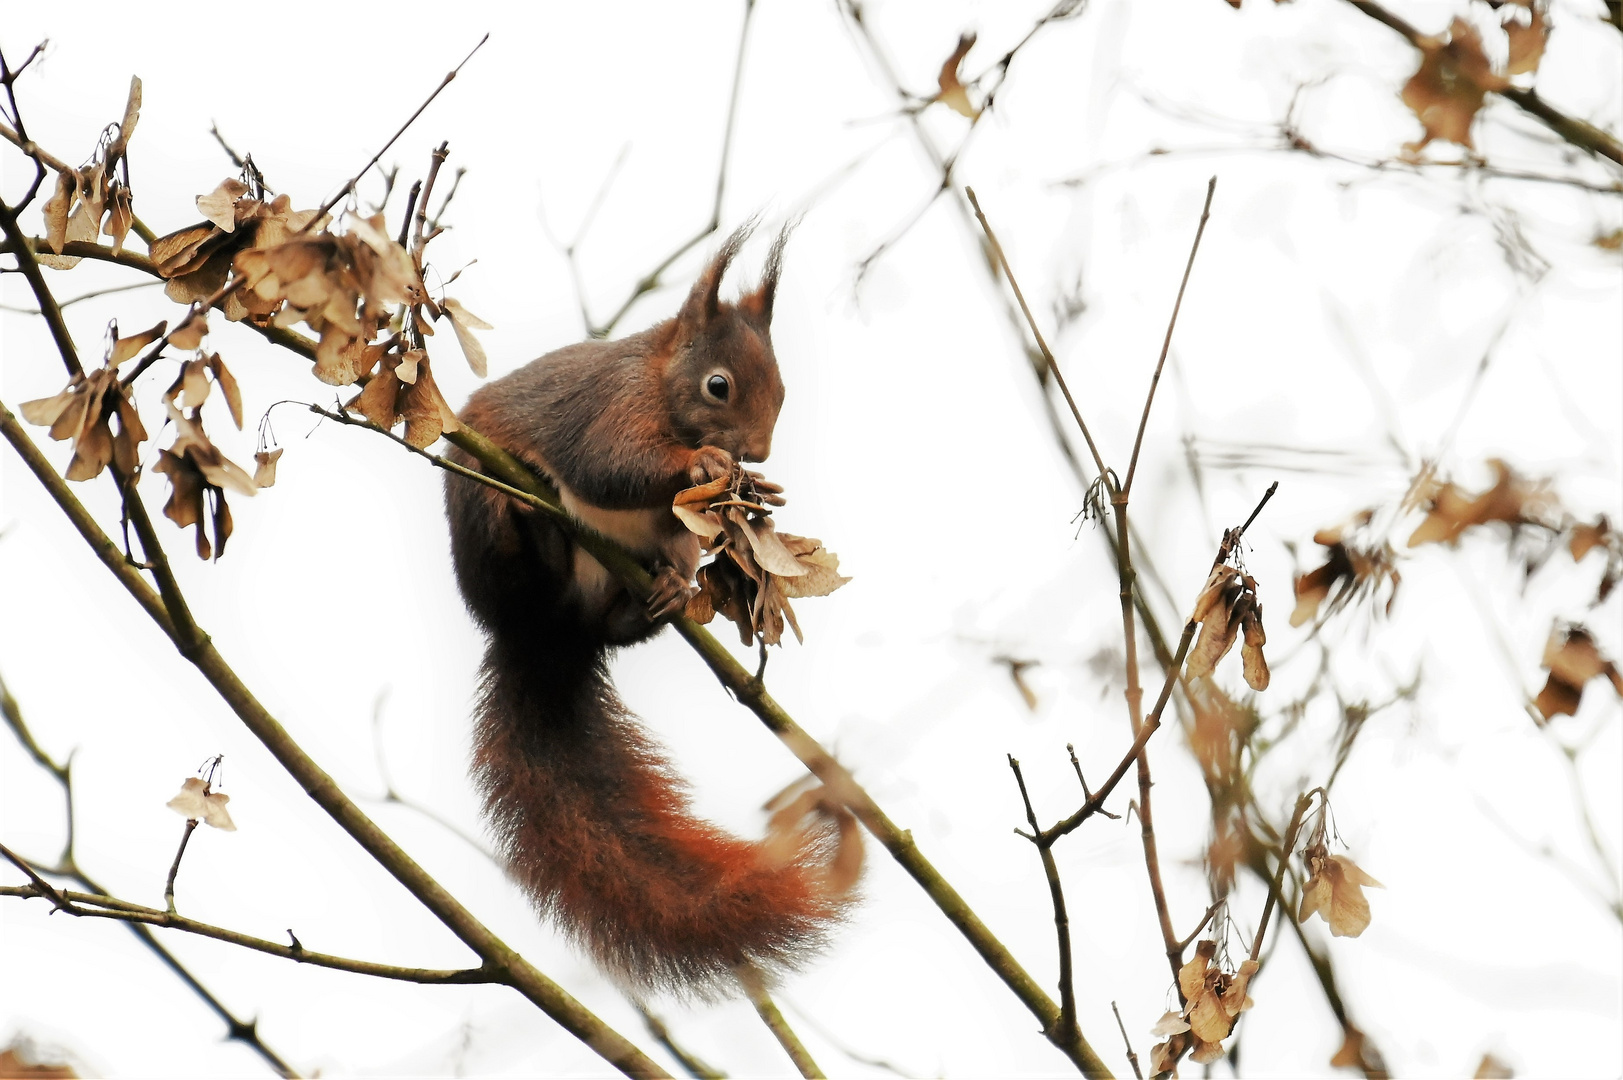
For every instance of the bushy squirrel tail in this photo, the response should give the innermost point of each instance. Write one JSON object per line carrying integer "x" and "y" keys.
{"x": 595, "y": 826}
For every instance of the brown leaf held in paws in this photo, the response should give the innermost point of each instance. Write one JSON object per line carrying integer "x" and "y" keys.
{"x": 755, "y": 570}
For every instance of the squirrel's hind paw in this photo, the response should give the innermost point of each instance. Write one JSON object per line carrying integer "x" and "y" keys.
{"x": 670, "y": 594}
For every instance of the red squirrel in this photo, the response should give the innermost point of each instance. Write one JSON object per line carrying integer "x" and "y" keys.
{"x": 585, "y": 810}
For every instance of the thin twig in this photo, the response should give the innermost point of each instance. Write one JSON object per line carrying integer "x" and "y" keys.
{"x": 1132, "y": 1057}
{"x": 1285, "y": 849}
{"x": 1066, "y": 1021}
{"x": 92, "y": 905}
{"x": 755, "y": 990}
{"x": 1087, "y": 796}
{"x": 1166, "y": 345}
{"x": 236, "y": 158}
{"x": 93, "y": 294}
{"x": 40, "y": 886}
{"x": 1042, "y": 345}
{"x": 1211, "y": 910}
{"x": 174, "y": 868}
{"x": 349, "y": 186}
{"x": 391, "y": 795}
{"x": 654, "y": 278}
{"x": 696, "y": 1066}
{"x": 436, "y": 159}
{"x": 810, "y": 1021}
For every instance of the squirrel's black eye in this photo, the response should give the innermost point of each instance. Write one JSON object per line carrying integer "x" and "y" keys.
{"x": 717, "y": 387}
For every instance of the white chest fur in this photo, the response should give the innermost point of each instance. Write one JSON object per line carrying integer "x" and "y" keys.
{"x": 640, "y": 531}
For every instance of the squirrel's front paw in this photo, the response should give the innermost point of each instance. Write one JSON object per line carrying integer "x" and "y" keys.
{"x": 670, "y": 594}
{"x": 709, "y": 463}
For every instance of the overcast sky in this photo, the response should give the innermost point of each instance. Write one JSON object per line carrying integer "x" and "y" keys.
{"x": 1341, "y": 326}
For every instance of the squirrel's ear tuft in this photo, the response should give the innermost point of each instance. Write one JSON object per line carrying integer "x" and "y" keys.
{"x": 759, "y": 303}
{"x": 704, "y": 301}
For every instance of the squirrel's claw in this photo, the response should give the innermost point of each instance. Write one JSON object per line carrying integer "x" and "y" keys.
{"x": 709, "y": 463}
{"x": 669, "y": 596}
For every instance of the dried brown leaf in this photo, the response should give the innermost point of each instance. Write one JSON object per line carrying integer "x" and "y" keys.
{"x": 1350, "y": 1055}
{"x": 1255, "y": 664}
{"x": 43, "y": 412}
{"x": 464, "y": 323}
{"x": 185, "y": 505}
{"x": 1213, "y": 596}
{"x": 821, "y": 567}
{"x": 1169, "y": 1024}
{"x": 83, "y": 412}
{"x": 189, "y": 335}
{"x": 1335, "y": 891}
{"x": 406, "y": 370}
{"x": 426, "y": 412}
{"x": 265, "y": 471}
{"x": 126, "y": 347}
{"x": 181, "y": 251}
{"x": 228, "y": 386}
{"x": 130, "y": 435}
{"x": 126, "y": 126}
{"x": 1586, "y": 538}
{"x": 1572, "y": 658}
{"x": 377, "y": 399}
{"x": 1448, "y": 89}
{"x": 1217, "y": 637}
{"x": 1163, "y": 1055}
{"x": 216, "y": 468}
{"x": 56, "y": 210}
{"x": 195, "y": 286}
{"x": 951, "y": 92}
{"x": 769, "y": 550}
{"x": 198, "y": 803}
{"x": 220, "y": 205}
{"x": 120, "y": 216}
{"x": 1526, "y": 42}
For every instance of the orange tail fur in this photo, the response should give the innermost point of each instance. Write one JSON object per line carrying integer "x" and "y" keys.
{"x": 596, "y": 827}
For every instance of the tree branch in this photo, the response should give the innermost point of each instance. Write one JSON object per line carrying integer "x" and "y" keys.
{"x": 767, "y": 1009}
{"x": 1579, "y": 133}
{"x": 1065, "y": 1023}
{"x": 91, "y": 905}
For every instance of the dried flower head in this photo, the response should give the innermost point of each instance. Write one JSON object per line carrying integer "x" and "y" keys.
{"x": 1227, "y": 610}
{"x": 86, "y": 409}
{"x": 1352, "y": 568}
{"x": 83, "y": 197}
{"x": 1450, "y": 510}
{"x": 756, "y": 569}
{"x": 1572, "y": 659}
{"x": 199, "y": 802}
{"x": 1335, "y": 890}
{"x": 1214, "y": 1000}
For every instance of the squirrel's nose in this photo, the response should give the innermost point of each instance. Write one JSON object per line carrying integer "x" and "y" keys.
{"x": 759, "y": 448}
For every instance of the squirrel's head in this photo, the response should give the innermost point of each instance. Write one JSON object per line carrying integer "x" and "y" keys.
{"x": 722, "y": 379}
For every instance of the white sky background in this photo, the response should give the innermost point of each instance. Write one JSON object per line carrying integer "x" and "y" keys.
{"x": 1332, "y": 311}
